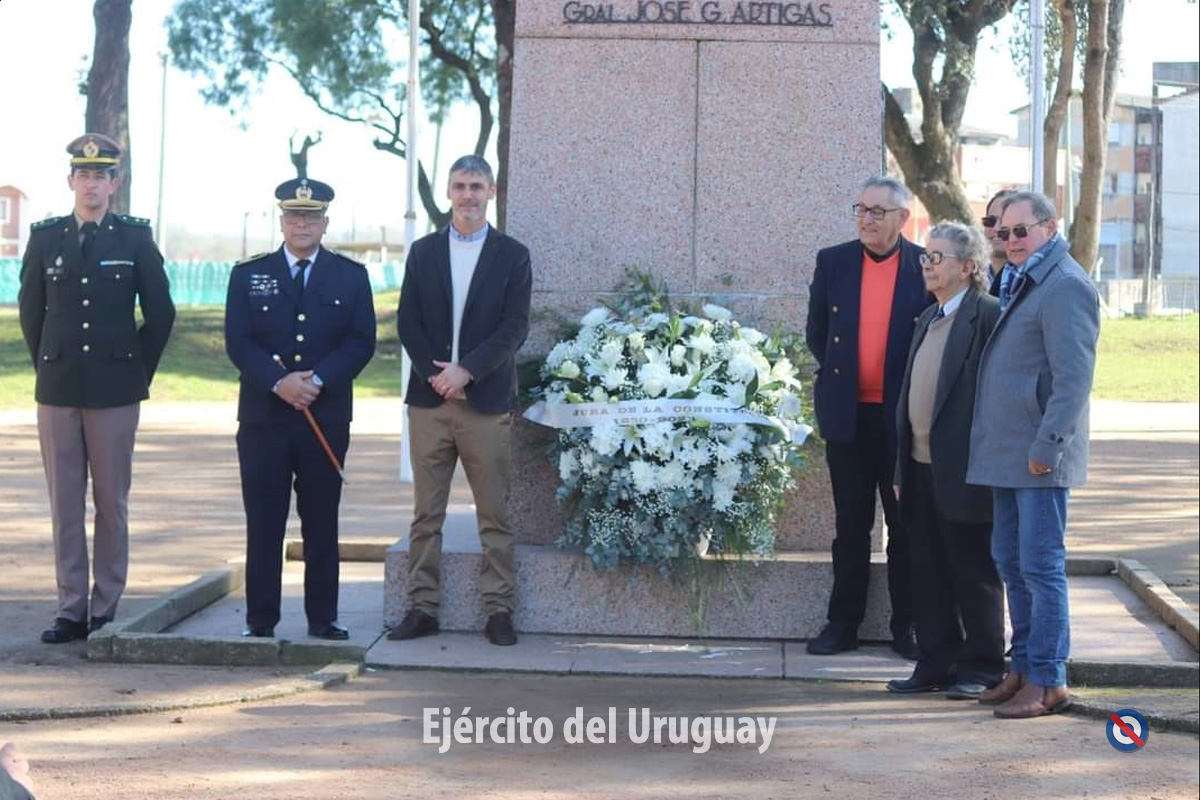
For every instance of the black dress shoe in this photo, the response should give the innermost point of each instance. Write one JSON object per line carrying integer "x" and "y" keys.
{"x": 415, "y": 624}
{"x": 259, "y": 632}
{"x": 906, "y": 646}
{"x": 915, "y": 685}
{"x": 330, "y": 630}
{"x": 832, "y": 640}
{"x": 966, "y": 690}
{"x": 499, "y": 629}
{"x": 97, "y": 623}
{"x": 63, "y": 631}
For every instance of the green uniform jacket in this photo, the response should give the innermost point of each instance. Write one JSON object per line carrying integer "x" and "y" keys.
{"x": 78, "y": 318}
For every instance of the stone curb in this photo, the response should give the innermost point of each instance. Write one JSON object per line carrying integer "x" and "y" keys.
{"x": 1164, "y": 602}
{"x": 1170, "y": 675}
{"x": 325, "y": 678}
{"x": 1162, "y": 722}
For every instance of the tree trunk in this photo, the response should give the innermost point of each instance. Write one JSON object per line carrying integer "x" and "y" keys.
{"x": 1057, "y": 112}
{"x": 504, "y": 18}
{"x": 108, "y": 87}
{"x": 1105, "y": 18}
{"x": 944, "y": 38}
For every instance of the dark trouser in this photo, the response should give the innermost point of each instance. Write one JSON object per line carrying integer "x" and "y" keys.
{"x": 270, "y": 457}
{"x": 858, "y": 471}
{"x": 957, "y": 596}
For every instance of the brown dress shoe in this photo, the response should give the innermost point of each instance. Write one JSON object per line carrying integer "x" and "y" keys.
{"x": 1035, "y": 701}
{"x": 1003, "y": 691}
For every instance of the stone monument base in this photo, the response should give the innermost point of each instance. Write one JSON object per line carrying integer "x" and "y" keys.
{"x": 558, "y": 592}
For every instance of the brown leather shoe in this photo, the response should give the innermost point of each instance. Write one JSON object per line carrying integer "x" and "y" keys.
{"x": 1004, "y": 691}
{"x": 1035, "y": 701}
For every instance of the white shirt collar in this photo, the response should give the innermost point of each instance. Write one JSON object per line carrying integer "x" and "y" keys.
{"x": 292, "y": 258}
{"x": 954, "y": 302}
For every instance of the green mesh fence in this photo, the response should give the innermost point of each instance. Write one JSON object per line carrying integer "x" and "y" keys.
{"x": 197, "y": 282}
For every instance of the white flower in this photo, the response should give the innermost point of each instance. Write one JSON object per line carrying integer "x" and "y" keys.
{"x": 568, "y": 464}
{"x": 722, "y": 496}
{"x": 752, "y": 336}
{"x": 560, "y": 353}
{"x": 654, "y": 320}
{"x": 742, "y": 368}
{"x": 729, "y": 473}
{"x": 789, "y": 406}
{"x": 614, "y": 378}
{"x": 735, "y": 393}
{"x": 606, "y": 438}
{"x": 671, "y": 476}
{"x": 637, "y": 340}
{"x": 716, "y": 312}
{"x": 654, "y": 376}
{"x": 643, "y": 475}
{"x": 599, "y": 395}
{"x": 597, "y": 316}
{"x": 703, "y": 344}
{"x": 678, "y": 354}
{"x": 611, "y": 353}
{"x": 569, "y": 370}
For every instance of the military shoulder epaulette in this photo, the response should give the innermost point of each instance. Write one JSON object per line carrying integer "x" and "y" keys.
{"x": 139, "y": 222}
{"x": 46, "y": 223}
{"x": 345, "y": 257}
{"x": 254, "y": 257}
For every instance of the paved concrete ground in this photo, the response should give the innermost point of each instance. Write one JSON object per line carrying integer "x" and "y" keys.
{"x": 359, "y": 741}
{"x": 364, "y": 740}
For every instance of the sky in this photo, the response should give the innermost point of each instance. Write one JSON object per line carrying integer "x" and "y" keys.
{"x": 221, "y": 170}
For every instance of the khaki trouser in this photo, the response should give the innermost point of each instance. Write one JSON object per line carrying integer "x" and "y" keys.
{"x": 74, "y": 442}
{"x": 438, "y": 437}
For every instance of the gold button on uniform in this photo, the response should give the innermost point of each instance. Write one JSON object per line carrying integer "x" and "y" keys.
{"x": 87, "y": 325}
{"x": 837, "y": 339}
{"x": 83, "y": 280}
{"x": 299, "y": 337}
{"x": 835, "y": 309}
{"x": 86, "y": 302}
{"x": 87, "y": 348}
{"x": 266, "y": 308}
{"x": 837, "y": 371}
{"x": 296, "y": 357}
{"x": 300, "y": 318}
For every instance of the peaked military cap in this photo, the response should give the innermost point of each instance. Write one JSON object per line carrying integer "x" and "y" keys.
{"x": 304, "y": 194}
{"x": 94, "y": 151}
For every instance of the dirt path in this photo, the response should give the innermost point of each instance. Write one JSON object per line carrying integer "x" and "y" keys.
{"x": 364, "y": 741}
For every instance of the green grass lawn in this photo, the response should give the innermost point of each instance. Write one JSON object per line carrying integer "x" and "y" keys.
{"x": 195, "y": 366}
{"x": 1149, "y": 359}
{"x": 1138, "y": 359}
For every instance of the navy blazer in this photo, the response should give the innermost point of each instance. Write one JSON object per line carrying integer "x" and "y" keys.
{"x": 831, "y": 332}
{"x": 953, "y": 409}
{"x": 494, "y": 325}
{"x": 331, "y": 331}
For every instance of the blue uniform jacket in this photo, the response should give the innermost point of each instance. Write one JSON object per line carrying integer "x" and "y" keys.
{"x": 330, "y": 331}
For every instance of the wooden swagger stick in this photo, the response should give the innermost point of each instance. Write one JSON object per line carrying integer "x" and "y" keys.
{"x": 312, "y": 423}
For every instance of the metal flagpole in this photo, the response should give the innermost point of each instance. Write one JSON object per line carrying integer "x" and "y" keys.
{"x": 1037, "y": 78}
{"x": 410, "y": 214}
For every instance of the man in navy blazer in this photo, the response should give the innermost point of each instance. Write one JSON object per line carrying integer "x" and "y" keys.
{"x": 299, "y": 326}
{"x": 464, "y": 313}
{"x": 863, "y": 303}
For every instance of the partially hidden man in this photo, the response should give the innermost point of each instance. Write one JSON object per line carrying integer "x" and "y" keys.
{"x": 464, "y": 313}
{"x": 300, "y": 327}
{"x": 81, "y": 277}
{"x": 864, "y": 301}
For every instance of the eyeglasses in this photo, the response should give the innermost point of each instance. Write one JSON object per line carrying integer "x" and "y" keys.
{"x": 876, "y": 212}
{"x": 931, "y": 258}
{"x": 1019, "y": 231}
{"x": 989, "y": 221}
{"x": 303, "y": 217}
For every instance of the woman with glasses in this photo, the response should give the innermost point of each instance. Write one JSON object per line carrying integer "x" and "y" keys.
{"x": 957, "y": 598}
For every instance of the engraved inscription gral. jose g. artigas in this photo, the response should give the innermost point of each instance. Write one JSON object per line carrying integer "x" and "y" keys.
{"x": 699, "y": 12}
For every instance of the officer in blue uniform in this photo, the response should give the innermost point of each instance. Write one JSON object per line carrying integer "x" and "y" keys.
{"x": 299, "y": 326}
{"x": 82, "y": 275}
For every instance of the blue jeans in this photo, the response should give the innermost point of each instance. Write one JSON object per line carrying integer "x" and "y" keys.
{"x": 1027, "y": 544}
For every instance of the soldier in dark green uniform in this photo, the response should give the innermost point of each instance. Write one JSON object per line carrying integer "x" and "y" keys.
{"x": 81, "y": 276}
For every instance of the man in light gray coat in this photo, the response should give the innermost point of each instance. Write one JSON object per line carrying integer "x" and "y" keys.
{"x": 1029, "y": 442}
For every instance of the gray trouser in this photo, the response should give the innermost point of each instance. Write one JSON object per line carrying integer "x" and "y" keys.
{"x": 76, "y": 441}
